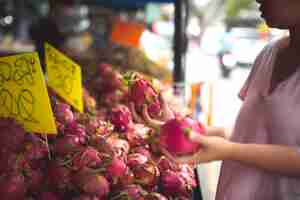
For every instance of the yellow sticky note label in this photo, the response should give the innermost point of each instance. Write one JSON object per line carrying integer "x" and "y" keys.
{"x": 64, "y": 77}
{"x": 23, "y": 93}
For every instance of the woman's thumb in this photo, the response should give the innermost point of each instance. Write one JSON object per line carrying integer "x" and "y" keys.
{"x": 199, "y": 138}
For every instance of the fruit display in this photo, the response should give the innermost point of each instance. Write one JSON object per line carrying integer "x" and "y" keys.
{"x": 107, "y": 152}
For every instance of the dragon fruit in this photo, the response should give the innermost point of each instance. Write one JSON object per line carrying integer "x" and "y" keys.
{"x": 35, "y": 180}
{"x": 136, "y": 159}
{"x": 121, "y": 147}
{"x": 138, "y": 135}
{"x": 96, "y": 126}
{"x": 63, "y": 113}
{"x": 92, "y": 184}
{"x": 165, "y": 164}
{"x": 74, "y": 128}
{"x": 173, "y": 184}
{"x": 35, "y": 148}
{"x": 116, "y": 169}
{"x": 58, "y": 176}
{"x": 144, "y": 150}
{"x": 66, "y": 144}
{"x": 86, "y": 197}
{"x": 133, "y": 192}
{"x": 12, "y": 135}
{"x": 146, "y": 174}
{"x": 48, "y": 196}
{"x": 127, "y": 179}
{"x": 173, "y": 135}
{"x": 86, "y": 157}
{"x": 155, "y": 196}
{"x": 187, "y": 172}
{"x": 13, "y": 187}
{"x": 105, "y": 69}
{"x": 142, "y": 93}
{"x": 7, "y": 160}
{"x": 121, "y": 118}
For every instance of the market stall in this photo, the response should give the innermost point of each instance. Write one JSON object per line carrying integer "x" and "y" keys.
{"x": 68, "y": 135}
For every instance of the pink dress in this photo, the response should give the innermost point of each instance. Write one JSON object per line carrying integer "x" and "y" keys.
{"x": 264, "y": 119}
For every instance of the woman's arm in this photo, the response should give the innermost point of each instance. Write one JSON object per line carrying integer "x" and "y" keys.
{"x": 219, "y": 131}
{"x": 280, "y": 159}
{"x": 273, "y": 158}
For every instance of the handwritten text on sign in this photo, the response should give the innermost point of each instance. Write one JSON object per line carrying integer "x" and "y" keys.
{"x": 64, "y": 77}
{"x": 23, "y": 93}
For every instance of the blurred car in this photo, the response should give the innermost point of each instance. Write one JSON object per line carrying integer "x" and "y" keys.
{"x": 239, "y": 48}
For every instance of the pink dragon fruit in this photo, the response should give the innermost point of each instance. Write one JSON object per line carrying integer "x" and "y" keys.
{"x": 133, "y": 192}
{"x": 155, "y": 196}
{"x": 13, "y": 187}
{"x": 121, "y": 118}
{"x": 144, "y": 150}
{"x": 141, "y": 92}
{"x": 136, "y": 159}
{"x": 121, "y": 147}
{"x": 127, "y": 179}
{"x": 7, "y": 160}
{"x": 86, "y": 157}
{"x": 35, "y": 180}
{"x": 173, "y": 184}
{"x": 92, "y": 184}
{"x": 63, "y": 113}
{"x": 173, "y": 135}
{"x": 66, "y": 144}
{"x": 105, "y": 69}
{"x": 35, "y": 148}
{"x": 187, "y": 172}
{"x": 138, "y": 135}
{"x": 58, "y": 176}
{"x": 48, "y": 196}
{"x": 165, "y": 164}
{"x": 116, "y": 169}
{"x": 146, "y": 174}
{"x": 96, "y": 126}
{"x": 100, "y": 143}
{"x": 12, "y": 136}
{"x": 86, "y": 197}
{"x": 74, "y": 128}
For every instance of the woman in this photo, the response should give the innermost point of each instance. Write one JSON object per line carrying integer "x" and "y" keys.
{"x": 262, "y": 159}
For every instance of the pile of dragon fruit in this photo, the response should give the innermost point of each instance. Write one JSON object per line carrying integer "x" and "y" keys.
{"x": 105, "y": 153}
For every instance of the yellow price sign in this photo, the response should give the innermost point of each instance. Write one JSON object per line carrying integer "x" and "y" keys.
{"x": 64, "y": 77}
{"x": 23, "y": 93}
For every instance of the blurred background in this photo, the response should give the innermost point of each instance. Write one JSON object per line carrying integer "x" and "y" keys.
{"x": 223, "y": 37}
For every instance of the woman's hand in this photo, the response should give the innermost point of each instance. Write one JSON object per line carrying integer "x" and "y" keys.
{"x": 213, "y": 148}
{"x": 144, "y": 117}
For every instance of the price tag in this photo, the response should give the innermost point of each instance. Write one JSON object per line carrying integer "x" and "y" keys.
{"x": 64, "y": 77}
{"x": 127, "y": 33}
{"x": 23, "y": 93}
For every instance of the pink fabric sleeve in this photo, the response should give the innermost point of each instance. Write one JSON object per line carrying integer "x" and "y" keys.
{"x": 244, "y": 90}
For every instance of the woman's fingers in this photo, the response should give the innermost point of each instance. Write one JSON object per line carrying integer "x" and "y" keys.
{"x": 135, "y": 116}
{"x": 167, "y": 112}
{"x": 151, "y": 122}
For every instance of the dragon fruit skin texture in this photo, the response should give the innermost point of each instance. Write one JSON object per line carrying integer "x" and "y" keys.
{"x": 121, "y": 118}
{"x": 142, "y": 93}
{"x": 12, "y": 135}
{"x": 116, "y": 169}
{"x": 86, "y": 157}
{"x": 13, "y": 187}
{"x": 48, "y": 196}
{"x": 173, "y": 135}
{"x": 173, "y": 184}
{"x": 92, "y": 184}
